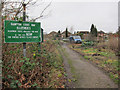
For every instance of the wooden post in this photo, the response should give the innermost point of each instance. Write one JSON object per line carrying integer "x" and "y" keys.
{"x": 24, "y": 19}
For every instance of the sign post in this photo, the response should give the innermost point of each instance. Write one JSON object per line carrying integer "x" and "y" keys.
{"x": 24, "y": 19}
{"x": 39, "y": 47}
{"x": 42, "y": 37}
{"x": 22, "y": 32}
{"x": 39, "y": 44}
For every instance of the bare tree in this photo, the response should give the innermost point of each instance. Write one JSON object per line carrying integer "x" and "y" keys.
{"x": 13, "y": 9}
{"x": 42, "y": 13}
{"x": 72, "y": 29}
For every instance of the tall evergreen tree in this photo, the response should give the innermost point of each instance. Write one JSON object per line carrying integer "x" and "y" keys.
{"x": 59, "y": 32}
{"x": 66, "y": 33}
{"x": 93, "y": 30}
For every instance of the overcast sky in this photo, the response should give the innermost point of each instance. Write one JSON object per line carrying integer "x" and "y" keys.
{"x": 79, "y": 15}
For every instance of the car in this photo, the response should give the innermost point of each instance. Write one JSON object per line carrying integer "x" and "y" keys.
{"x": 75, "y": 39}
{"x": 66, "y": 39}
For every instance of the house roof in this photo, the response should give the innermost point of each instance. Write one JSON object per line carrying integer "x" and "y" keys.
{"x": 65, "y": 32}
{"x": 83, "y": 31}
{"x": 53, "y": 32}
{"x": 101, "y": 32}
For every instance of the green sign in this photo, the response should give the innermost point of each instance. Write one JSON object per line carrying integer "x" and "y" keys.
{"x": 19, "y": 31}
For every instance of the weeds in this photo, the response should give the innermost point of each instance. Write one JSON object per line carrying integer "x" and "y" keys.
{"x": 34, "y": 70}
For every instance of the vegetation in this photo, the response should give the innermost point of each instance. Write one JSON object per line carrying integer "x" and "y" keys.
{"x": 38, "y": 70}
{"x": 58, "y": 35}
{"x": 111, "y": 44}
{"x": 87, "y": 43}
{"x": 104, "y": 56}
{"x": 66, "y": 33}
{"x": 74, "y": 75}
{"x": 93, "y": 31}
{"x": 59, "y": 32}
{"x": 80, "y": 34}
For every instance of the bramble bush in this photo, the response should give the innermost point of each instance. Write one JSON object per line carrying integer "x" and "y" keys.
{"x": 112, "y": 44}
{"x": 36, "y": 70}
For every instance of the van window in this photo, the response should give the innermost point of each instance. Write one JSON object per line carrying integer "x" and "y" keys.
{"x": 76, "y": 37}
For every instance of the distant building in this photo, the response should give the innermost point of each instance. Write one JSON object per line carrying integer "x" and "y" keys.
{"x": 51, "y": 35}
{"x": 101, "y": 33}
{"x": 102, "y": 36}
{"x": 63, "y": 34}
{"x": 53, "y": 32}
{"x": 113, "y": 35}
{"x": 83, "y": 34}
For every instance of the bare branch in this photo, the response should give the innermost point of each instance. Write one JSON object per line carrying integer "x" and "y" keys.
{"x": 41, "y": 15}
{"x": 11, "y": 9}
{"x": 19, "y": 9}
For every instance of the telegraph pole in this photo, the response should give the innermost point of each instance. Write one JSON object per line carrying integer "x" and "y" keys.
{"x": 24, "y": 19}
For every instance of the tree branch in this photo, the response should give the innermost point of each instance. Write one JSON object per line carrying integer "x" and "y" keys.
{"x": 41, "y": 15}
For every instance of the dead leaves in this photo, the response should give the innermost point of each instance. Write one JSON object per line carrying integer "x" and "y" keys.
{"x": 39, "y": 76}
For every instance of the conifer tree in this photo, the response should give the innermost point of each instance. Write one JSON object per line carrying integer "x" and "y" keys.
{"x": 59, "y": 32}
{"x": 93, "y": 30}
{"x": 66, "y": 33}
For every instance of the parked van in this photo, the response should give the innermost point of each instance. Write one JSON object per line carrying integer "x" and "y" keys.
{"x": 75, "y": 39}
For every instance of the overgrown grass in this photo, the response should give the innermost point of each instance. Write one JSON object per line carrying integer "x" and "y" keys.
{"x": 90, "y": 51}
{"x": 38, "y": 70}
{"x": 112, "y": 44}
{"x": 72, "y": 69}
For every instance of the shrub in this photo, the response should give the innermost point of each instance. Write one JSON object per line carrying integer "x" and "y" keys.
{"x": 112, "y": 44}
{"x": 87, "y": 43}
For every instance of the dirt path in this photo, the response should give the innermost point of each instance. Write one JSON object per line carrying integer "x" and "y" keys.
{"x": 87, "y": 75}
